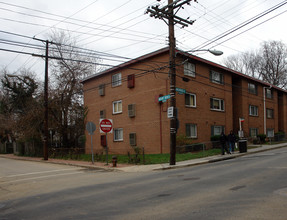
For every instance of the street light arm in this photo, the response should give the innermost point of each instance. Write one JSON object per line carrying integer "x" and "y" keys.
{"x": 214, "y": 52}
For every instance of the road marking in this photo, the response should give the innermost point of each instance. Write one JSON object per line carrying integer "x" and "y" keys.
{"x": 40, "y": 172}
{"x": 40, "y": 177}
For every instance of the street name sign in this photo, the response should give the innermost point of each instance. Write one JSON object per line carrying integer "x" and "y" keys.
{"x": 180, "y": 90}
{"x": 164, "y": 98}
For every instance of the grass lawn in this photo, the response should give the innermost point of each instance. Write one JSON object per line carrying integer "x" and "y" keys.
{"x": 148, "y": 158}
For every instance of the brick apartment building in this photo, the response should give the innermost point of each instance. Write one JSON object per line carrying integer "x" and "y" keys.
{"x": 213, "y": 99}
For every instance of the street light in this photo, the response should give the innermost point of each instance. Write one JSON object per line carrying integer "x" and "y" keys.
{"x": 214, "y": 52}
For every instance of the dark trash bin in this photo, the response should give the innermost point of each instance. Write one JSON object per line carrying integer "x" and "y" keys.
{"x": 242, "y": 145}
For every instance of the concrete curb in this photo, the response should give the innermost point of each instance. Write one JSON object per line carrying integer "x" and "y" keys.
{"x": 63, "y": 162}
{"x": 220, "y": 158}
{"x": 157, "y": 167}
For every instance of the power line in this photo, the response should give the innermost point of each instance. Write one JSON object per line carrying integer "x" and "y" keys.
{"x": 250, "y": 28}
{"x": 70, "y": 16}
{"x": 243, "y": 24}
{"x": 65, "y": 20}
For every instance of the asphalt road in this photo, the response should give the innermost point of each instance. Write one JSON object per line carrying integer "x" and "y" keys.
{"x": 248, "y": 187}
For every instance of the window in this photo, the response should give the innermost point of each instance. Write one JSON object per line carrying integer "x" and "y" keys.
{"x": 190, "y": 100}
{"x": 118, "y": 134}
{"x": 133, "y": 139}
{"x": 116, "y": 79}
{"x": 269, "y": 94}
{"x": 269, "y": 113}
{"x": 216, "y": 104}
{"x": 103, "y": 140}
{"x": 102, "y": 90}
{"x": 270, "y": 132}
{"x": 253, "y": 132}
{"x": 216, "y": 77}
{"x": 253, "y": 110}
{"x": 252, "y": 88}
{"x": 102, "y": 114}
{"x": 191, "y": 130}
{"x": 132, "y": 110}
{"x": 189, "y": 69}
{"x": 117, "y": 107}
{"x": 216, "y": 129}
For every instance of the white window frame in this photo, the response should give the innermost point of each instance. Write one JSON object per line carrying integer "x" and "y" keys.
{"x": 189, "y": 69}
{"x": 220, "y": 104}
{"x": 116, "y": 107}
{"x": 214, "y": 128}
{"x": 214, "y": 77}
{"x": 189, "y": 104}
{"x": 116, "y": 79}
{"x": 118, "y": 134}
{"x": 253, "y": 110}
{"x": 270, "y": 132}
{"x": 194, "y": 128}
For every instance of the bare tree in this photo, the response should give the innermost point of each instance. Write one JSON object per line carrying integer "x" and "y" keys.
{"x": 273, "y": 63}
{"x": 269, "y": 63}
{"x": 72, "y": 65}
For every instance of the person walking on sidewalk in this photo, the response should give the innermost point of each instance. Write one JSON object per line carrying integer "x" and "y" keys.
{"x": 231, "y": 141}
{"x": 223, "y": 140}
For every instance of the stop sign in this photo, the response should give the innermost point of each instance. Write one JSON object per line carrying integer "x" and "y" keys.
{"x": 106, "y": 125}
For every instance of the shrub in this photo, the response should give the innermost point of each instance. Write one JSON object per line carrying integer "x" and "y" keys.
{"x": 215, "y": 138}
{"x": 262, "y": 137}
{"x": 182, "y": 140}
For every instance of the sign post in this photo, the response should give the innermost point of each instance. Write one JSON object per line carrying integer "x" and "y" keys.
{"x": 106, "y": 126}
{"x": 91, "y": 127}
{"x": 240, "y": 132}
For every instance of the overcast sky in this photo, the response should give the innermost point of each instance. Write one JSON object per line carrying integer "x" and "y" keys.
{"x": 121, "y": 27}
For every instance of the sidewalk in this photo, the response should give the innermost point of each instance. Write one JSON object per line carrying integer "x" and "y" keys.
{"x": 147, "y": 168}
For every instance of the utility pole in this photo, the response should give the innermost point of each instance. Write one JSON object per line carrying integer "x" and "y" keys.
{"x": 46, "y": 97}
{"x": 172, "y": 78}
{"x": 46, "y": 131}
{"x": 167, "y": 12}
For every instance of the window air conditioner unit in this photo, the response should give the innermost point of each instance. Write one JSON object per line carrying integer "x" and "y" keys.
{"x": 131, "y": 81}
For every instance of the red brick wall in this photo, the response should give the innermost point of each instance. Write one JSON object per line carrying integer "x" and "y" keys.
{"x": 151, "y": 124}
{"x": 146, "y": 123}
{"x": 204, "y": 89}
{"x": 246, "y": 99}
